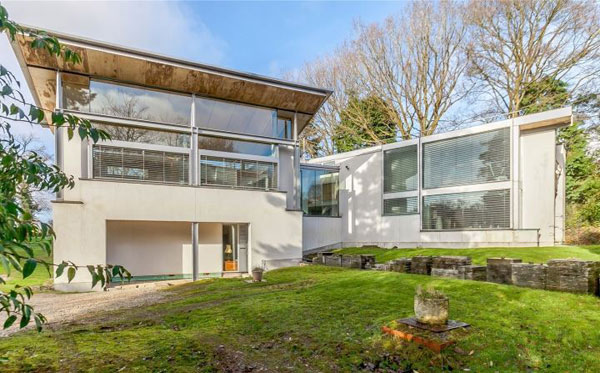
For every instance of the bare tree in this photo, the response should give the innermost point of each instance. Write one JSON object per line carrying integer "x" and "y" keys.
{"x": 415, "y": 64}
{"x": 329, "y": 72}
{"x": 518, "y": 43}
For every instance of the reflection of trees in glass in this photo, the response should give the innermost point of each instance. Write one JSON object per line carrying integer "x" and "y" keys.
{"x": 77, "y": 96}
{"x": 320, "y": 192}
{"x": 475, "y": 210}
{"x": 141, "y": 135}
{"x": 495, "y": 159}
{"x": 215, "y": 143}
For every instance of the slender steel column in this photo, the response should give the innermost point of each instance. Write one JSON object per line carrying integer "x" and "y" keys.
{"x": 58, "y": 131}
{"x": 194, "y": 145}
{"x": 195, "y": 227}
{"x": 296, "y": 164}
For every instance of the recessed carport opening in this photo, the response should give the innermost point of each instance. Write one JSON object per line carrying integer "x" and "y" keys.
{"x": 163, "y": 250}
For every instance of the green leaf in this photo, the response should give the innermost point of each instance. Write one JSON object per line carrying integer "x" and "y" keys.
{"x": 38, "y": 323}
{"x": 70, "y": 273}
{"x": 11, "y": 320}
{"x": 60, "y": 269}
{"x": 29, "y": 267}
{"x": 5, "y": 264}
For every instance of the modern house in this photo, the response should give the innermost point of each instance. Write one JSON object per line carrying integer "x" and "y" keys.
{"x": 203, "y": 177}
{"x": 496, "y": 184}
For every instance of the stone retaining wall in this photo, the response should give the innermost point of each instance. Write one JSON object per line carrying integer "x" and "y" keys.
{"x": 402, "y": 265}
{"x": 421, "y": 265}
{"x": 570, "y": 275}
{"x": 529, "y": 275}
{"x": 448, "y": 266}
{"x": 499, "y": 270}
{"x": 576, "y": 276}
{"x": 471, "y": 272}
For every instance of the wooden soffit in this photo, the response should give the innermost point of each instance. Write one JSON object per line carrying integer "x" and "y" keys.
{"x": 101, "y": 60}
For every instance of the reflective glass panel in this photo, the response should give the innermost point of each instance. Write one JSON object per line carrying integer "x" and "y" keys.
{"x": 472, "y": 210}
{"x": 236, "y": 146}
{"x": 236, "y": 118}
{"x": 472, "y": 159}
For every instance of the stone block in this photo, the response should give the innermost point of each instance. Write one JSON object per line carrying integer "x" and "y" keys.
{"x": 472, "y": 272}
{"x": 529, "y": 275}
{"x": 421, "y": 265}
{"x": 499, "y": 270}
{"x": 367, "y": 261}
{"x": 442, "y": 272}
{"x": 333, "y": 260}
{"x": 572, "y": 275}
{"x": 401, "y": 265}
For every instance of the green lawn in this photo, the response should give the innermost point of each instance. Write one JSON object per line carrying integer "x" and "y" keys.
{"x": 528, "y": 254}
{"x": 317, "y": 318}
{"x": 39, "y": 277}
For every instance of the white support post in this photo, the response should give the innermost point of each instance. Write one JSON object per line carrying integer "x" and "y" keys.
{"x": 515, "y": 176}
{"x": 195, "y": 227}
{"x": 194, "y": 146}
{"x": 58, "y": 131}
{"x": 296, "y": 193}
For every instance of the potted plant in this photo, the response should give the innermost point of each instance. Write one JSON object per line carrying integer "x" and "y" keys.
{"x": 431, "y": 306}
{"x": 257, "y": 274}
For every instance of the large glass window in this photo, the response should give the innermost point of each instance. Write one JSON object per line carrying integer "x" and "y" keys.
{"x": 472, "y": 210}
{"x": 236, "y": 146}
{"x": 478, "y": 158}
{"x": 319, "y": 192}
{"x": 137, "y": 164}
{"x": 126, "y": 101}
{"x": 145, "y": 136}
{"x": 236, "y": 118}
{"x": 238, "y": 173}
{"x": 400, "y": 169}
{"x": 401, "y": 206}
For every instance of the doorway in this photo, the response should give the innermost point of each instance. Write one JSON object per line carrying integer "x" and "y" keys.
{"x": 235, "y": 247}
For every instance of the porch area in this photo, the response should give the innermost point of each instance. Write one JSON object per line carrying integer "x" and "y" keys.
{"x": 163, "y": 250}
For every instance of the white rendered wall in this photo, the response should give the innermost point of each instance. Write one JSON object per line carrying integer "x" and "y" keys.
{"x": 149, "y": 248}
{"x": 80, "y": 221}
{"x": 321, "y": 232}
{"x": 537, "y": 173}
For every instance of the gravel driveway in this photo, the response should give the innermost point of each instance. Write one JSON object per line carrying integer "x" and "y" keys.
{"x": 63, "y": 308}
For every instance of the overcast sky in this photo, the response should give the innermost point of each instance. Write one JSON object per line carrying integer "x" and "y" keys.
{"x": 267, "y": 38}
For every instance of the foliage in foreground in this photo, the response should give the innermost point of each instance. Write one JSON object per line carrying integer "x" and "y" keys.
{"x": 21, "y": 172}
{"x": 318, "y": 318}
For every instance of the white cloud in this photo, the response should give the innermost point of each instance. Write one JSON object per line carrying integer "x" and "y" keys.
{"x": 161, "y": 27}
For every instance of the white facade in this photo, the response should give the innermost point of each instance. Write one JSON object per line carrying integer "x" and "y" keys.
{"x": 536, "y": 183}
{"x": 202, "y": 175}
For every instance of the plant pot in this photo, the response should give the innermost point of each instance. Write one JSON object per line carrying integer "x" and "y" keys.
{"x": 433, "y": 311}
{"x": 257, "y": 276}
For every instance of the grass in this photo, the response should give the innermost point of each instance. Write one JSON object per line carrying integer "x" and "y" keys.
{"x": 39, "y": 277}
{"x": 479, "y": 256}
{"x": 317, "y": 318}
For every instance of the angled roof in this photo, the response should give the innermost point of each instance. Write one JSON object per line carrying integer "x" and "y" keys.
{"x": 109, "y": 61}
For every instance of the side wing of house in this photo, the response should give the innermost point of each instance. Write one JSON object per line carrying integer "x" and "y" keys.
{"x": 499, "y": 184}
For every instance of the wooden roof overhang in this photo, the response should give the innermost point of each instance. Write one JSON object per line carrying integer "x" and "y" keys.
{"x": 107, "y": 61}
